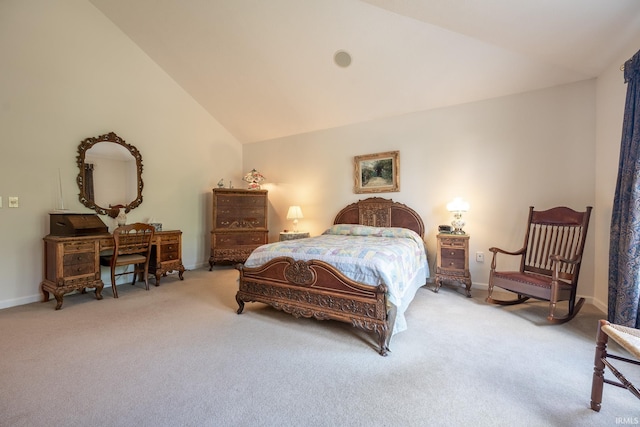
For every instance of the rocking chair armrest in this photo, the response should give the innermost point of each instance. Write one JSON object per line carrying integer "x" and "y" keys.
{"x": 502, "y": 251}
{"x": 496, "y": 251}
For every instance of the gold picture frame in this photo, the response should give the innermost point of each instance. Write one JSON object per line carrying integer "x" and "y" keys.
{"x": 377, "y": 173}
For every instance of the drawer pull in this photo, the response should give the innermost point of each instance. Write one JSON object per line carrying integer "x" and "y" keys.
{"x": 453, "y": 253}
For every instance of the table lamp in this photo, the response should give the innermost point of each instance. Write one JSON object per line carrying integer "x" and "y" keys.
{"x": 457, "y": 206}
{"x": 294, "y": 213}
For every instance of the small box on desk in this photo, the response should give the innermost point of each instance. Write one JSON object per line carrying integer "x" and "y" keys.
{"x": 75, "y": 224}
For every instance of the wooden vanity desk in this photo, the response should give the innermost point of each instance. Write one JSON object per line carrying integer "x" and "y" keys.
{"x": 166, "y": 253}
{"x": 72, "y": 263}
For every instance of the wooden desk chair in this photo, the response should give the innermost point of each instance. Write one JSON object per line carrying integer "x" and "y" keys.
{"x": 627, "y": 338}
{"x": 549, "y": 261}
{"x": 132, "y": 247}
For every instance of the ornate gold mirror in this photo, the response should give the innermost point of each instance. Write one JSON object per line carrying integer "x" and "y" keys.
{"x": 110, "y": 175}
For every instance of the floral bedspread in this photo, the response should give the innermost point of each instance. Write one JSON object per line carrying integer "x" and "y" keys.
{"x": 369, "y": 255}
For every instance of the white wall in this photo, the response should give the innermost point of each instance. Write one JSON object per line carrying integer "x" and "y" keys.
{"x": 501, "y": 155}
{"x": 67, "y": 73}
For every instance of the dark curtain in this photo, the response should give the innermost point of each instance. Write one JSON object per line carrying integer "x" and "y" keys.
{"x": 88, "y": 181}
{"x": 624, "y": 249}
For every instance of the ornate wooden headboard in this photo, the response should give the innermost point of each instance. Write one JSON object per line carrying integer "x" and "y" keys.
{"x": 379, "y": 212}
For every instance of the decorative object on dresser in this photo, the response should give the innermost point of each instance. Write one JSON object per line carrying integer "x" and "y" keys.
{"x": 312, "y": 286}
{"x": 550, "y": 261}
{"x": 254, "y": 178}
{"x": 132, "y": 246}
{"x": 457, "y": 207}
{"x": 294, "y": 213}
{"x": 72, "y": 255}
{"x": 452, "y": 260}
{"x": 121, "y": 219}
{"x": 377, "y": 173}
{"x": 239, "y": 224}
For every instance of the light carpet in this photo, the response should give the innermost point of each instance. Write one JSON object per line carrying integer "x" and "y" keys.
{"x": 179, "y": 355}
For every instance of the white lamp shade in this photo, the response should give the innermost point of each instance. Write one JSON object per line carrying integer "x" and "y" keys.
{"x": 458, "y": 205}
{"x": 294, "y": 212}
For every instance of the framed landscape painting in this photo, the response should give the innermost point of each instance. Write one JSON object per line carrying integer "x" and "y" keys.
{"x": 377, "y": 173}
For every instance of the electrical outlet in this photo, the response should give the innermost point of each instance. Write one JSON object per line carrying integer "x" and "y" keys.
{"x": 13, "y": 202}
{"x": 479, "y": 256}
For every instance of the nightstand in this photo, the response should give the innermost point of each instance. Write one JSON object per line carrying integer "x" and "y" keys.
{"x": 293, "y": 235}
{"x": 452, "y": 260}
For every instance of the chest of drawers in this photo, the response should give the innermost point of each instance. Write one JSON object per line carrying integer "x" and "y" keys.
{"x": 452, "y": 260}
{"x": 71, "y": 263}
{"x": 166, "y": 254}
{"x": 239, "y": 224}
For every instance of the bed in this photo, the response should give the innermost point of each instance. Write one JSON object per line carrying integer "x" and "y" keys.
{"x": 301, "y": 278}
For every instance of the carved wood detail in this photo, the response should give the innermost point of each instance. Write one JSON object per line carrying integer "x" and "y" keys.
{"x": 300, "y": 273}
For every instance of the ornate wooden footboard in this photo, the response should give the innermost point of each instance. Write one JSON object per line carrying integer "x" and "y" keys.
{"x": 316, "y": 289}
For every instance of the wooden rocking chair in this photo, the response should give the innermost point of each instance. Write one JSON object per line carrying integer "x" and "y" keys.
{"x": 549, "y": 261}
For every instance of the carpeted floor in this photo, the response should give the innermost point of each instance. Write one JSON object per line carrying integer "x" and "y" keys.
{"x": 179, "y": 355}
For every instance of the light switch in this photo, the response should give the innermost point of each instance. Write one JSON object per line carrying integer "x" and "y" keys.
{"x": 13, "y": 202}
{"x": 0, "y": 201}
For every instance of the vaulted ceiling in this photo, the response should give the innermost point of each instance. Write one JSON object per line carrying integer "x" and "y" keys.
{"x": 265, "y": 68}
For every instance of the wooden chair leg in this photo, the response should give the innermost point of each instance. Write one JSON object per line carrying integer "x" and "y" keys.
{"x": 570, "y": 315}
{"x": 135, "y": 274}
{"x": 114, "y": 288}
{"x": 597, "y": 383}
{"x": 146, "y": 276}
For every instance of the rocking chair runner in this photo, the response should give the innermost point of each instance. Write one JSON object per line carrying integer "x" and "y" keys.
{"x": 549, "y": 261}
